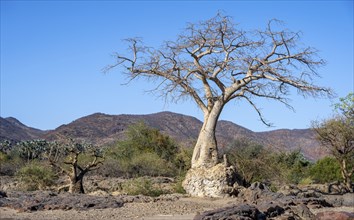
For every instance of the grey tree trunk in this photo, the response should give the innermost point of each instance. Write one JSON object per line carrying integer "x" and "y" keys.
{"x": 205, "y": 152}
{"x": 207, "y": 177}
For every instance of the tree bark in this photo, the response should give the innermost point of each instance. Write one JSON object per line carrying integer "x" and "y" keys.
{"x": 207, "y": 177}
{"x": 205, "y": 152}
{"x": 346, "y": 176}
{"x": 76, "y": 184}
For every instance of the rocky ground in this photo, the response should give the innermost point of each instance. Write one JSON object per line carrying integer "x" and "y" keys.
{"x": 255, "y": 202}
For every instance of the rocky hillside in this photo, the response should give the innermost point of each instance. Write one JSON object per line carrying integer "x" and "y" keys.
{"x": 103, "y": 129}
{"x": 13, "y": 130}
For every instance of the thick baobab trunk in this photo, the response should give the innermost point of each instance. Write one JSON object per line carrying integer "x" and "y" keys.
{"x": 205, "y": 152}
{"x": 207, "y": 177}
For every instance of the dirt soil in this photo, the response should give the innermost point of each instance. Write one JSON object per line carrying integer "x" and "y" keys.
{"x": 182, "y": 209}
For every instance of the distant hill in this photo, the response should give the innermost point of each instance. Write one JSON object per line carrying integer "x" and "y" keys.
{"x": 103, "y": 129}
{"x": 14, "y": 130}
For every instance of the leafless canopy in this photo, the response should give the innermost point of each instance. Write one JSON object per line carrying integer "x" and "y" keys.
{"x": 214, "y": 60}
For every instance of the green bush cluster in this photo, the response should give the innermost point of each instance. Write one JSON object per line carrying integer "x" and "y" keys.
{"x": 35, "y": 176}
{"x": 255, "y": 163}
{"x": 146, "y": 152}
{"x": 142, "y": 186}
{"x": 325, "y": 170}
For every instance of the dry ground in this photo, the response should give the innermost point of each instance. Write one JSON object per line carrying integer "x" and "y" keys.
{"x": 182, "y": 209}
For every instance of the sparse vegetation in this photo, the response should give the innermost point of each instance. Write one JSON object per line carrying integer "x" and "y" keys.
{"x": 255, "y": 163}
{"x": 35, "y": 176}
{"x": 147, "y": 152}
{"x": 142, "y": 186}
{"x": 337, "y": 135}
{"x": 325, "y": 170}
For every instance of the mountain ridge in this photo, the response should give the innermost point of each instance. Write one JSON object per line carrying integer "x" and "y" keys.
{"x": 104, "y": 129}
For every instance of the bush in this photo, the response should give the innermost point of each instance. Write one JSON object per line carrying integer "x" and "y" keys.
{"x": 182, "y": 160}
{"x": 252, "y": 161}
{"x": 146, "y": 152}
{"x": 142, "y": 186}
{"x": 293, "y": 166}
{"x": 149, "y": 164}
{"x": 34, "y": 176}
{"x": 9, "y": 165}
{"x": 178, "y": 188}
{"x": 142, "y": 138}
{"x": 326, "y": 170}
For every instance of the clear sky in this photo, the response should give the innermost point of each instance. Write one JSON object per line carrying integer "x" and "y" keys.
{"x": 53, "y": 52}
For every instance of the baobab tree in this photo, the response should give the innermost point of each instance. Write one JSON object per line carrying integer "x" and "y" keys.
{"x": 215, "y": 62}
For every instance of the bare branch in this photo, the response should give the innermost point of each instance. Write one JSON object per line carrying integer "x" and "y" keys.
{"x": 215, "y": 59}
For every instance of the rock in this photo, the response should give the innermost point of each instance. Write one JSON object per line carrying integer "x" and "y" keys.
{"x": 332, "y": 215}
{"x": 3, "y": 194}
{"x": 37, "y": 201}
{"x": 258, "y": 186}
{"x": 217, "y": 181}
{"x": 271, "y": 209}
{"x": 258, "y": 192}
{"x": 244, "y": 212}
{"x": 313, "y": 202}
{"x": 303, "y": 212}
{"x": 348, "y": 199}
{"x": 98, "y": 193}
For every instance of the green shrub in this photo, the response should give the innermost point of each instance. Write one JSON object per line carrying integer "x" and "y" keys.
{"x": 34, "y": 176}
{"x": 9, "y": 165}
{"x": 182, "y": 161}
{"x": 326, "y": 170}
{"x": 178, "y": 188}
{"x": 252, "y": 161}
{"x": 142, "y": 186}
{"x": 149, "y": 164}
{"x": 146, "y": 152}
{"x": 294, "y": 166}
{"x": 145, "y": 139}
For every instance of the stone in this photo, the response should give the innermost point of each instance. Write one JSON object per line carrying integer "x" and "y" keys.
{"x": 217, "y": 181}
{"x": 244, "y": 212}
{"x": 41, "y": 200}
{"x": 332, "y": 215}
{"x": 3, "y": 194}
{"x": 303, "y": 212}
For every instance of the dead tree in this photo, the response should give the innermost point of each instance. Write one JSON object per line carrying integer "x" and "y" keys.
{"x": 214, "y": 62}
{"x": 65, "y": 158}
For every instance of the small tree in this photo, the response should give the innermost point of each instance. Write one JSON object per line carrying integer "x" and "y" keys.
{"x": 32, "y": 149}
{"x": 71, "y": 164}
{"x": 337, "y": 135}
{"x": 214, "y": 62}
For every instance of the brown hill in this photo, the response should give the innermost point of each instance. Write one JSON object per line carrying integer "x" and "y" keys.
{"x": 103, "y": 129}
{"x": 13, "y": 130}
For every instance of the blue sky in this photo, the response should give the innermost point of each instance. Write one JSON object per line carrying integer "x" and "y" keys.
{"x": 53, "y": 52}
